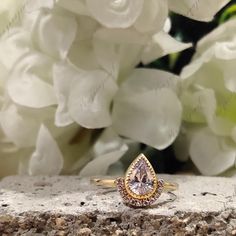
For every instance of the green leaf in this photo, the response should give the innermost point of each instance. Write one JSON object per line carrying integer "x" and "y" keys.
{"x": 229, "y": 13}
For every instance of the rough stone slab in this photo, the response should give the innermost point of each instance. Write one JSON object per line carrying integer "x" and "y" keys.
{"x": 69, "y": 205}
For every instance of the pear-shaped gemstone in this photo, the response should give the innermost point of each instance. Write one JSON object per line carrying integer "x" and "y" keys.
{"x": 142, "y": 179}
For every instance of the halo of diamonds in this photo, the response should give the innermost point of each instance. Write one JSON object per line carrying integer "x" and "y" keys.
{"x": 137, "y": 202}
{"x": 140, "y": 186}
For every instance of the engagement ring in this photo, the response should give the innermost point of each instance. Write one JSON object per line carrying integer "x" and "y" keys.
{"x": 140, "y": 187}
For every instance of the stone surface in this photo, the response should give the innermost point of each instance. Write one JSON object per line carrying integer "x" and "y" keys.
{"x": 72, "y": 206}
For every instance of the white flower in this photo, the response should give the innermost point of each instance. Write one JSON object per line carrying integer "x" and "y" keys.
{"x": 203, "y": 10}
{"x": 45, "y": 155}
{"x": 121, "y": 25}
{"x": 67, "y": 67}
{"x": 209, "y": 100}
{"x": 115, "y": 13}
{"x": 107, "y": 151}
{"x": 147, "y": 109}
{"x": 27, "y": 94}
{"x": 9, "y": 11}
{"x": 85, "y": 96}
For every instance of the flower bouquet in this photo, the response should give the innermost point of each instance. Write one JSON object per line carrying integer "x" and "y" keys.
{"x": 81, "y": 85}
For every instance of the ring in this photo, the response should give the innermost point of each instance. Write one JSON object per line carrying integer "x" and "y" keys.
{"x": 140, "y": 187}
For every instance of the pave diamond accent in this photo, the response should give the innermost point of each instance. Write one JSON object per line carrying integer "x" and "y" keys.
{"x": 141, "y": 178}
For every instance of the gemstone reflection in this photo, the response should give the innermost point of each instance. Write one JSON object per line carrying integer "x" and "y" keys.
{"x": 141, "y": 180}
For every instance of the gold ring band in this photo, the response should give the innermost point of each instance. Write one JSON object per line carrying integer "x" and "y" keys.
{"x": 111, "y": 183}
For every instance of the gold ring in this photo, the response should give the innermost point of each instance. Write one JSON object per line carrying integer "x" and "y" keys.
{"x": 140, "y": 187}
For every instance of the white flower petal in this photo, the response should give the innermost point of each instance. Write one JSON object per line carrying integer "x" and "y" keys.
{"x": 225, "y": 50}
{"x": 77, "y": 6}
{"x": 204, "y": 72}
{"x": 221, "y": 126}
{"x": 202, "y": 10}
{"x": 47, "y": 159}
{"x": 90, "y": 99}
{"x": 167, "y": 26}
{"x": 128, "y": 61}
{"x": 18, "y": 127}
{"x": 228, "y": 72}
{"x": 121, "y": 36}
{"x": 84, "y": 97}
{"x": 199, "y": 105}
{"x": 30, "y": 91}
{"x": 115, "y": 13}
{"x": 207, "y": 103}
{"x": 222, "y": 33}
{"x": 107, "y": 151}
{"x": 153, "y": 16}
{"x": 29, "y": 83}
{"x": 10, "y": 11}
{"x": 53, "y": 33}
{"x": 160, "y": 45}
{"x": 83, "y": 55}
{"x": 145, "y": 80}
{"x": 107, "y": 56}
{"x": 81, "y": 52}
{"x": 138, "y": 118}
{"x": 152, "y": 115}
{"x": 63, "y": 76}
{"x": 13, "y": 45}
{"x": 194, "y": 67}
{"x": 120, "y": 40}
{"x": 87, "y": 26}
{"x": 35, "y": 63}
{"x": 34, "y": 5}
{"x": 101, "y": 164}
{"x": 208, "y": 153}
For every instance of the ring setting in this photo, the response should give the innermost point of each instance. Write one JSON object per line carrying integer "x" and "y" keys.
{"x": 140, "y": 187}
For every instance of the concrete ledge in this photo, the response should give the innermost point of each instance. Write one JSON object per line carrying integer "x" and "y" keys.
{"x": 72, "y": 206}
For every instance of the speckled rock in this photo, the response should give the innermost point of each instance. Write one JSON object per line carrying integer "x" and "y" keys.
{"x": 72, "y": 206}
